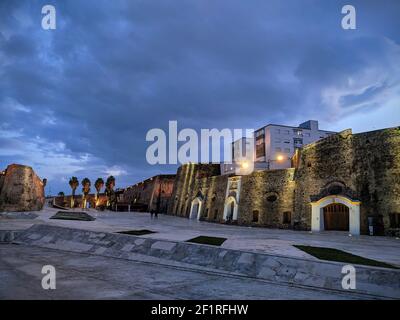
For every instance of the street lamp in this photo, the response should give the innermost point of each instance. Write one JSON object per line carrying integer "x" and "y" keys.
{"x": 279, "y": 158}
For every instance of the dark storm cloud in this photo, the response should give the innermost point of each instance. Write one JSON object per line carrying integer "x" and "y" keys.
{"x": 91, "y": 89}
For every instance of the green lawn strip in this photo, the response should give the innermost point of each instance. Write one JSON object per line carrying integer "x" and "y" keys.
{"x": 213, "y": 241}
{"x": 137, "y": 232}
{"x": 72, "y": 215}
{"x": 331, "y": 254}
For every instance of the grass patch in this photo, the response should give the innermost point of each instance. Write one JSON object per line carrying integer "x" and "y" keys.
{"x": 72, "y": 215}
{"x": 137, "y": 232}
{"x": 213, "y": 241}
{"x": 331, "y": 254}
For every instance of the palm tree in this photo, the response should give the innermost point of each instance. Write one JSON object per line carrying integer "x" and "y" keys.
{"x": 110, "y": 184}
{"x": 99, "y": 184}
{"x": 73, "y": 183}
{"x": 85, "y": 190}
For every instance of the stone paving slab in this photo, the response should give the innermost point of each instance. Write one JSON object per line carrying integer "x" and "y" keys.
{"x": 297, "y": 271}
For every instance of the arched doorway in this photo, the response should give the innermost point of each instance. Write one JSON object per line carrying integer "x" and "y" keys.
{"x": 195, "y": 209}
{"x": 230, "y": 209}
{"x": 336, "y": 212}
{"x": 336, "y": 217}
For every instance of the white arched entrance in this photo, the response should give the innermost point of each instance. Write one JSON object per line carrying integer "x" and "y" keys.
{"x": 230, "y": 209}
{"x": 317, "y": 212}
{"x": 195, "y": 208}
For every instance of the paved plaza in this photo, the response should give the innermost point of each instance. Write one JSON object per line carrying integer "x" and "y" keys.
{"x": 83, "y": 275}
{"x": 271, "y": 241}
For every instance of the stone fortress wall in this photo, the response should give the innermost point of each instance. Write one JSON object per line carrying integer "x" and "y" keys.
{"x": 362, "y": 168}
{"x": 153, "y": 194}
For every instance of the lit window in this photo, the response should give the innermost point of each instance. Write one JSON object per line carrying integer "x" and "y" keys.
{"x": 298, "y": 132}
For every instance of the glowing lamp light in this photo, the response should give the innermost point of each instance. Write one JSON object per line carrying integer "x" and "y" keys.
{"x": 245, "y": 165}
{"x": 279, "y": 158}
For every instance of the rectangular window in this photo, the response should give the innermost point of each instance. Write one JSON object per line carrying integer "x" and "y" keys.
{"x": 260, "y": 146}
{"x": 297, "y": 142}
{"x": 259, "y": 133}
{"x": 278, "y": 149}
{"x": 287, "y": 150}
{"x": 278, "y": 131}
{"x": 298, "y": 132}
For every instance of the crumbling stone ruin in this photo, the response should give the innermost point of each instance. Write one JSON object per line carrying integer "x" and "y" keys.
{"x": 21, "y": 189}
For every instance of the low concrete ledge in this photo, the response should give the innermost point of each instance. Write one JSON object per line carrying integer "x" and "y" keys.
{"x": 8, "y": 236}
{"x": 374, "y": 281}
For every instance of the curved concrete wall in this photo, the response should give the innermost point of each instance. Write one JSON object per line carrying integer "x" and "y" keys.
{"x": 370, "y": 280}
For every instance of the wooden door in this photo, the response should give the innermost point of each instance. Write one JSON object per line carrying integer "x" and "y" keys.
{"x": 336, "y": 217}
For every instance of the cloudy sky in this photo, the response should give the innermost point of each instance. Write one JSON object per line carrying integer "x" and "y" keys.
{"x": 79, "y": 100}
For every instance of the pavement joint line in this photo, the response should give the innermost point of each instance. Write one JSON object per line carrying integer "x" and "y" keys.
{"x": 224, "y": 274}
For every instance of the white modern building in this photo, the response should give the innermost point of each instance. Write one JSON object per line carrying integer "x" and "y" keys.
{"x": 275, "y": 145}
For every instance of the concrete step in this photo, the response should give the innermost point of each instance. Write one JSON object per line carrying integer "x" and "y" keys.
{"x": 372, "y": 281}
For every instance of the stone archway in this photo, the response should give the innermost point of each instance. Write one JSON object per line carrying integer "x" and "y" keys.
{"x": 195, "y": 208}
{"x": 230, "y": 209}
{"x": 318, "y": 213}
